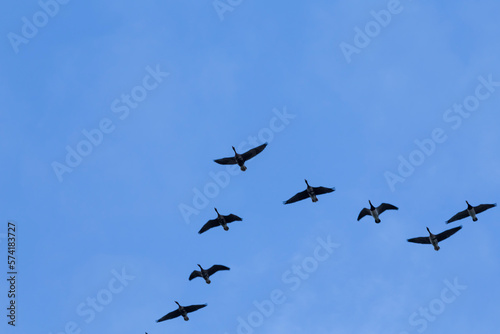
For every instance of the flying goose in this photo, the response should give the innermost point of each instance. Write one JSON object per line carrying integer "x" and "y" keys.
{"x": 376, "y": 211}
{"x": 205, "y": 274}
{"x": 471, "y": 211}
{"x": 182, "y": 310}
{"x": 435, "y": 238}
{"x": 241, "y": 158}
{"x": 311, "y": 192}
{"x": 220, "y": 220}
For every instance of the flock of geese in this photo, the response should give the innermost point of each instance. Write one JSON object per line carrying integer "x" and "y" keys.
{"x": 220, "y": 220}
{"x": 312, "y": 193}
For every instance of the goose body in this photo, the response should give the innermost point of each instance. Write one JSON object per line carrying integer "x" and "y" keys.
{"x": 220, "y": 220}
{"x": 181, "y": 311}
{"x": 310, "y": 192}
{"x": 434, "y": 239}
{"x": 376, "y": 211}
{"x": 205, "y": 274}
{"x": 240, "y": 159}
{"x": 471, "y": 211}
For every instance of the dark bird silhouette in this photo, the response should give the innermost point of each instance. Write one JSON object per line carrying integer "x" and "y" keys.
{"x": 182, "y": 310}
{"x": 205, "y": 274}
{"x": 470, "y": 211}
{"x": 220, "y": 220}
{"x": 376, "y": 211}
{"x": 311, "y": 192}
{"x": 433, "y": 239}
{"x": 241, "y": 158}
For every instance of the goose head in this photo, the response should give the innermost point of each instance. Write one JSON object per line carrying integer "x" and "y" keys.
{"x": 234, "y": 150}
{"x": 371, "y": 205}
{"x": 218, "y": 214}
{"x": 178, "y": 304}
{"x": 429, "y": 231}
{"x": 200, "y": 267}
{"x": 468, "y": 205}
{"x": 307, "y": 183}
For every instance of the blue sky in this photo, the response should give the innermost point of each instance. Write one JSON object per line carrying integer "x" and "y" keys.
{"x": 171, "y": 86}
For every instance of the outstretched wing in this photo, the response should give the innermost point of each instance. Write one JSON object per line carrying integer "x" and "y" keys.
{"x": 226, "y": 161}
{"x": 446, "y": 234}
{"x": 171, "y": 315}
{"x": 483, "y": 207}
{"x": 209, "y": 225}
{"x": 253, "y": 152}
{"x": 385, "y": 206}
{"x": 322, "y": 190}
{"x": 458, "y": 216}
{"x": 215, "y": 268}
{"x": 194, "y": 274}
{"x": 193, "y": 308}
{"x": 297, "y": 197}
{"x": 420, "y": 240}
{"x": 364, "y": 212}
{"x": 231, "y": 218}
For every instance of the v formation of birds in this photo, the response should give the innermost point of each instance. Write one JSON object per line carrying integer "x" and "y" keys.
{"x": 312, "y": 193}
